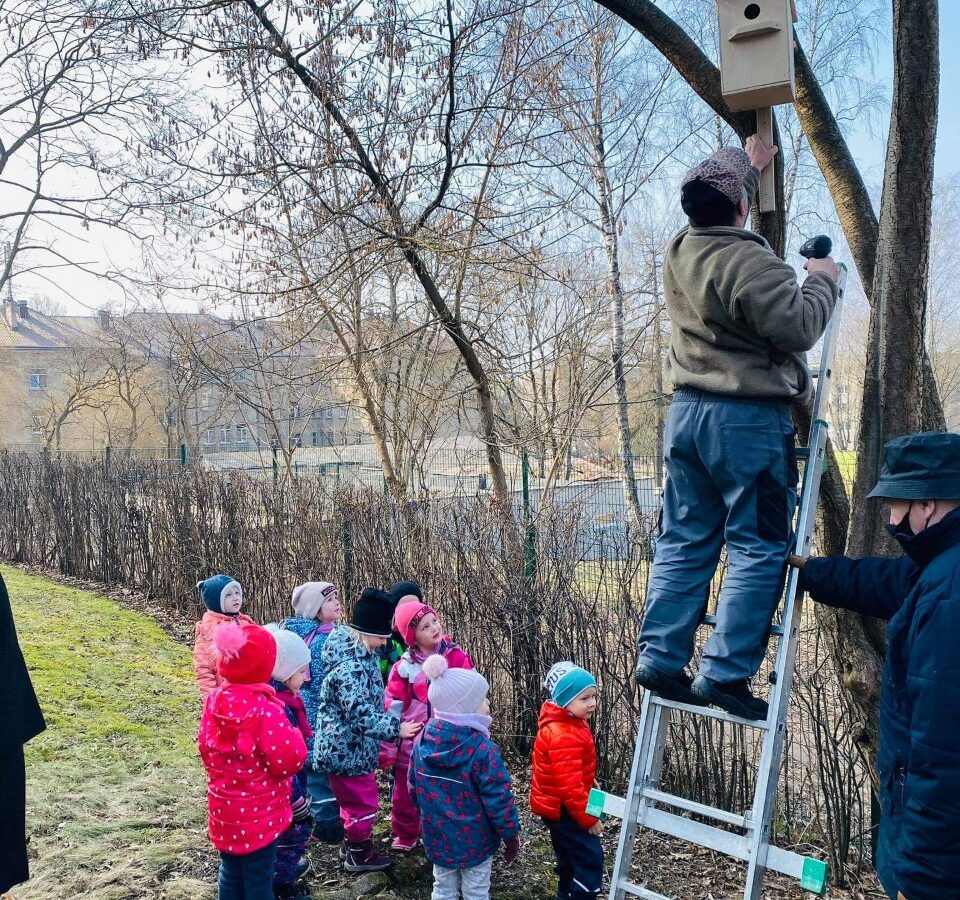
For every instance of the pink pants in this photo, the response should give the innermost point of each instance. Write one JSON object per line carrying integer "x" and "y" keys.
{"x": 404, "y": 819}
{"x": 359, "y": 801}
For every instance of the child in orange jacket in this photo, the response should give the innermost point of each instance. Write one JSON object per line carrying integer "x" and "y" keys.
{"x": 223, "y": 597}
{"x": 564, "y": 771}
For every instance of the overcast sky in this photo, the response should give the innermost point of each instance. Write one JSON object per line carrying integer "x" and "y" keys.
{"x": 78, "y": 292}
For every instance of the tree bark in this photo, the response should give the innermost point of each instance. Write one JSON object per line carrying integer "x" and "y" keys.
{"x": 608, "y": 226}
{"x": 899, "y": 395}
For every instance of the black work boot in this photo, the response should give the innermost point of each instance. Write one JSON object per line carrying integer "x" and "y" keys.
{"x": 361, "y": 857}
{"x": 670, "y": 687}
{"x": 733, "y": 696}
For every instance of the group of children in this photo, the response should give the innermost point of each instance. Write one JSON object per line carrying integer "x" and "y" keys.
{"x": 299, "y": 716}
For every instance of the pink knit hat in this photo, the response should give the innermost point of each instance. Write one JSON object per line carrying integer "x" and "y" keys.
{"x": 726, "y": 170}
{"x": 408, "y": 617}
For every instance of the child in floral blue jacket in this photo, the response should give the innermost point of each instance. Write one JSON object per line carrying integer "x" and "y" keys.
{"x": 317, "y": 608}
{"x": 461, "y": 787}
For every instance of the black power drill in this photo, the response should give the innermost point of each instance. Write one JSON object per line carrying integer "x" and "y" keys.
{"x": 818, "y": 247}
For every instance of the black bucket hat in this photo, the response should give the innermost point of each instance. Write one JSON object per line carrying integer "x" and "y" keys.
{"x": 923, "y": 466}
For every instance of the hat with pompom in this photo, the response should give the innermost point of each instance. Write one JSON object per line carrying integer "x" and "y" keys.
{"x": 213, "y": 589}
{"x": 292, "y": 653}
{"x": 246, "y": 654}
{"x": 459, "y": 691}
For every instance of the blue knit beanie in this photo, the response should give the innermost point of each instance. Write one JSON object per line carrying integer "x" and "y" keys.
{"x": 211, "y": 591}
{"x": 566, "y": 682}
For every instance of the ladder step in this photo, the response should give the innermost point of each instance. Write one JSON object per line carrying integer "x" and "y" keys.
{"x": 710, "y": 713}
{"x": 699, "y": 809}
{"x": 638, "y": 890}
{"x": 812, "y": 873}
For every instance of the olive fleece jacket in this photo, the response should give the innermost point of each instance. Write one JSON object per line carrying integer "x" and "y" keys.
{"x": 741, "y": 323}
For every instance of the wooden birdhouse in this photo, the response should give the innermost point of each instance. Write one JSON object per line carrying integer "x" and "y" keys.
{"x": 756, "y": 52}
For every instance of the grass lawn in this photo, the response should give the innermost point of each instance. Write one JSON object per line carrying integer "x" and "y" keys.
{"x": 115, "y": 786}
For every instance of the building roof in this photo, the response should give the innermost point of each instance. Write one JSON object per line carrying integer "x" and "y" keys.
{"x": 38, "y": 331}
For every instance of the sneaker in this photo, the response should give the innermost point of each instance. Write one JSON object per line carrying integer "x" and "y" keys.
{"x": 361, "y": 857}
{"x": 343, "y": 850}
{"x": 734, "y": 697}
{"x": 405, "y": 846}
{"x": 670, "y": 687}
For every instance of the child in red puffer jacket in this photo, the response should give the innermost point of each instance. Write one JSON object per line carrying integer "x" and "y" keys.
{"x": 564, "y": 771}
{"x": 251, "y": 752}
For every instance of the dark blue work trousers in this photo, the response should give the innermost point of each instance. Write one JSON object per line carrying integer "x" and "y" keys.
{"x": 731, "y": 480}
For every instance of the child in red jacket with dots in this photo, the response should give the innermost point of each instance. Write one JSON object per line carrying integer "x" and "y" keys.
{"x": 251, "y": 752}
{"x": 564, "y": 771}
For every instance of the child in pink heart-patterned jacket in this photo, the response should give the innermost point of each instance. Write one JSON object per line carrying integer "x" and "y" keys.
{"x": 251, "y": 752}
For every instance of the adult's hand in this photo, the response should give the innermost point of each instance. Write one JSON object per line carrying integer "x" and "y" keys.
{"x": 760, "y": 154}
{"x": 511, "y": 850}
{"x": 798, "y": 562}
{"x": 825, "y": 266}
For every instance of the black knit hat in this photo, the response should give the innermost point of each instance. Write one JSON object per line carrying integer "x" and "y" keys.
{"x": 923, "y": 466}
{"x": 373, "y": 613}
{"x": 403, "y": 589}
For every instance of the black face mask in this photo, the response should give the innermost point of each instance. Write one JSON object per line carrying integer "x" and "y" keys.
{"x": 902, "y": 528}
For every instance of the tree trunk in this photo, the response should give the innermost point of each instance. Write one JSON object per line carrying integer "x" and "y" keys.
{"x": 411, "y": 251}
{"x": 899, "y": 396}
{"x": 611, "y": 245}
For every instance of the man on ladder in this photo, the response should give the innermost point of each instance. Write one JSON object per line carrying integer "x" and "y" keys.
{"x": 741, "y": 325}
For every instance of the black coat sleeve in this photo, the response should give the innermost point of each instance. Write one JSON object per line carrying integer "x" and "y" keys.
{"x": 929, "y": 865}
{"x": 872, "y": 587}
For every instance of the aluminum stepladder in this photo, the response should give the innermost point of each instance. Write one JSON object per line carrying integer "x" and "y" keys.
{"x": 646, "y": 806}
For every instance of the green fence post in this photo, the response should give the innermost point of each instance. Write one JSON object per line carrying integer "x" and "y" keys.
{"x": 183, "y": 456}
{"x": 106, "y": 456}
{"x": 530, "y": 535}
{"x": 276, "y": 468}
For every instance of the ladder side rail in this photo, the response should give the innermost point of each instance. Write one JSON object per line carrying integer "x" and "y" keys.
{"x": 768, "y": 772}
{"x": 650, "y": 721}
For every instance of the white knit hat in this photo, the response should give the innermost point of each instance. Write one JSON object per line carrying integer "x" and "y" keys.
{"x": 309, "y": 598}
{"x": 454, "y": 690}
{"x": 292, "y": 653}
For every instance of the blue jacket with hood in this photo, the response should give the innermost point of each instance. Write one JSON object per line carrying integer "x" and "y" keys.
{"x": 918, "y": 760}
{"x": 462, "y": 790}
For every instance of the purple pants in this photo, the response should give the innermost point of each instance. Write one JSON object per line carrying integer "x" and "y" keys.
{"x": 404, "y": 818}
{"x": 359, "y": 801}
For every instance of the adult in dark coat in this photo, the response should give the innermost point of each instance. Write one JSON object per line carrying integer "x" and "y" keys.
{"x": 918, "y": 760}
{"x": 22, "y": 720}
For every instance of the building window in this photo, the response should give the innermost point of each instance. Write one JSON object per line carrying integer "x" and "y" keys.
{"x": 224, "y": 434}
{"x": 38, "y": 380}
{"x": 296, "y": 411}
{"x": 209, "y": 437}
{"x": 208, "y": 397}
{"x": 37, "y": 430}
{"x": 314, "y": 439}
{"x": 328, "y": 412}
{"x": 328, "y": 435}
{"x": 343, "y": 412}
{"x": 242, "y": 434}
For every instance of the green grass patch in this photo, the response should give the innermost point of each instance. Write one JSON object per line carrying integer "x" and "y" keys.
{"x": 115, "y": 786}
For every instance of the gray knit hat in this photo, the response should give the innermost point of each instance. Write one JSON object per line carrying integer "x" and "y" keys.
{"x": 726, "y": 171}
